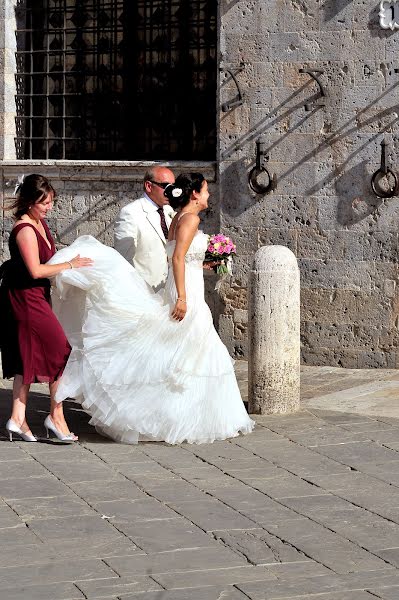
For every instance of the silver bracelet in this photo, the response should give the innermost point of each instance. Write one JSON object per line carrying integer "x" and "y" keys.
{"x": 69, "y": 262}
{"x": 181, "y": 300}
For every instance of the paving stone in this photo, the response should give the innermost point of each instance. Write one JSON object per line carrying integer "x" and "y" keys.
{"x": 351, "y": 480}
{"x": 372, "y": 427}
{"x": 59, "y": 506}
{"x": 13, "y": 453}
{"x": 247, "y": 474}
{"x": 327, "y": 435}
{"x": 221, "y": 450}
{"x": 258, "y": 436}
{"x": 175, "y": 561}
{"x": 78, "y": 527}
{"x": 203, "y": 593}
{"x": 301, "y": 463}
{"x": 148, "y": 481}
{"x": 34, "y": 487}
{"x": 54, "y": 591}
{"x": 298, "y": 570}
{"x": 8, "y": 518}
{"x": 356, "y": 453}
{"x": 227, "y": 465}
{"x": 207, "y": 472}
{"x": 29, "y": 554}
{"x": 271, "y": 512}
{"x": 338, "y": 554}
{"x": 73, "y": 472}
{"x": 220, "y": 576}
{"x": 309, "y": 505}
{"x": 20, "y": 469}
{"x": 212, "y": 514}
{"x": 94, "y": 548}
{"x": 391, "y": 555}
{"x": 391, "y": 593}
{"x": 113, "y": 453}
{"x": 150, "y": 469}
{"x": 170, "y": 534}
{"x": 367, "y": 530}
{"x": 259, "y": 547}
{"x": 127, "y": 512}
{"x": 117, "y": 586}
{"x": 105, "y": 490}
{"x": 352, "y": 595}
{"x": 54, "y": 572}
{"x": 286, "y": 486}
{"x": 328, "y": 587}
{"x": 239, "y": 496}
{"x": 175, "y": 491}
{"x": 17, "y": 536}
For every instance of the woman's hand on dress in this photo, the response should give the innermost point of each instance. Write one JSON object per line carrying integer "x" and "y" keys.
{"x": 79, "y": 261}
{"x": 179, "y": 310}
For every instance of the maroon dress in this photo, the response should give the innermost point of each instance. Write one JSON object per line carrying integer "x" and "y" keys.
{"x": 33, "y": 343}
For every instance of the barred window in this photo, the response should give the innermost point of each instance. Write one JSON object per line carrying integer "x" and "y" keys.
{"x": 116, "y": 80}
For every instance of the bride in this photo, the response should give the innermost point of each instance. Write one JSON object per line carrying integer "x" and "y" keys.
{"x": 147, "y": 364}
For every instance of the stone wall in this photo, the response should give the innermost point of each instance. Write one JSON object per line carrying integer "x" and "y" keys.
{"x": 346, "y": 239}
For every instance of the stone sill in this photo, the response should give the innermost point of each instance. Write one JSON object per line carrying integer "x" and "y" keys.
{"x": 103, "y": 170}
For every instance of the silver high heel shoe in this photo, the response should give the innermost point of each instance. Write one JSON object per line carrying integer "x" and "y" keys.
{"x": 12, "y": 427}
{"x": 49, "y": 425}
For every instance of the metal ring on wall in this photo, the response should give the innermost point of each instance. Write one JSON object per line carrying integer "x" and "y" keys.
{"x": 380, "y": 192}
{"x": 260, "y": 188}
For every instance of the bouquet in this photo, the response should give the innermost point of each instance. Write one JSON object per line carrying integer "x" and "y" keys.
{"x": 220, "y": 249}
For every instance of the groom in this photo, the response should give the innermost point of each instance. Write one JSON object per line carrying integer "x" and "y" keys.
{"x": 141, "y": 229}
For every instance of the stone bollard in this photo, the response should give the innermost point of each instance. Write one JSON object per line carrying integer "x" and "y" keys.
{"x": 274, "y": 332}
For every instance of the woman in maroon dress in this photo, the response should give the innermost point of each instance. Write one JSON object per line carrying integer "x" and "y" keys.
{"x": 33, "y": 345}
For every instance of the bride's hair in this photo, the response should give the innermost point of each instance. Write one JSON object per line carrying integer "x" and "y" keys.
{"x": 32, "y": 189}
{"x": 179, "y": 193}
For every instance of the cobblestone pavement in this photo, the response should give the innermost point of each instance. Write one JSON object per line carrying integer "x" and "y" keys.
{"x": 304, "y": 508}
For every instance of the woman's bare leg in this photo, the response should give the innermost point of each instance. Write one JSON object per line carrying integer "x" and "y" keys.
{"x": 57, "y": 410}
{"x": 20, "y": 393}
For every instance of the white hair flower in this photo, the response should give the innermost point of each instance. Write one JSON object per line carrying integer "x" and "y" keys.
{"x": 177, "y": 192}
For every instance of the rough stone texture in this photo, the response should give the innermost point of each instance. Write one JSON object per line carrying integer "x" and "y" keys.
{"x": 274, "y": 323}
{"x": 323, "y": 208}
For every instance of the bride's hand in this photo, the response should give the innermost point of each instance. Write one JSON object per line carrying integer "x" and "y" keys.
{"x": 208, "y": 266}
{"x": 179, "y": 310}
{"x": 78, "y": 262}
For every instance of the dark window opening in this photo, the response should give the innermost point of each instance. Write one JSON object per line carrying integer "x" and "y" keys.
{"x": 116, "y": 80}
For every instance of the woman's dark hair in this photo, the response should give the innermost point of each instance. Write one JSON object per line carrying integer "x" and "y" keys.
{"x": 179, "y": 193}
{"x": 31, "y": 190}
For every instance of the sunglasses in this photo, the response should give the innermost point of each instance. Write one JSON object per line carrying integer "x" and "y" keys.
{"x": 160, "y": 184}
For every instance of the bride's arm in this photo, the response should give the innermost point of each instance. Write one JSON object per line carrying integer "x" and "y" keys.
{"x": 29, "y": 249}
{"x": 184, "y": 236}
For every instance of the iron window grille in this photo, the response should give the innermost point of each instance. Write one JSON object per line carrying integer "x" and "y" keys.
{"x": 116, "y": 80}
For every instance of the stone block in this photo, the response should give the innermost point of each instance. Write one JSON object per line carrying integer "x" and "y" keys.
{"x": 53, "y": 591}
{"x": 117, "y": 587}
{"x": 175, "y": 561}
{"x": 329, "y": 274}
{"x": 54, "y": 572}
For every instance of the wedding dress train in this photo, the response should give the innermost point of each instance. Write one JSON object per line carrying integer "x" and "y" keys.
{"x": 133, "y": 368}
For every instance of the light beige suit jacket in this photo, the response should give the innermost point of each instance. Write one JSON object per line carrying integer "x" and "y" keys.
{"x": 139, "y": 238}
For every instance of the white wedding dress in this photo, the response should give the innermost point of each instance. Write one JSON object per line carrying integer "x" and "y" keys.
{"x": 133, "y": 368}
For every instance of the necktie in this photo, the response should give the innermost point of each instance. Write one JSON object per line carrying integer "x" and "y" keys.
{"x": 163, "y": 222}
